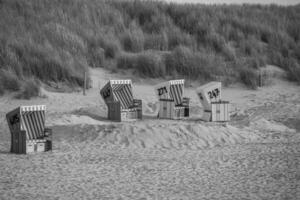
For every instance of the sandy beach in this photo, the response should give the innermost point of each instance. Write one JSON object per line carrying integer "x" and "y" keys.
{"x": 255, "y": 156}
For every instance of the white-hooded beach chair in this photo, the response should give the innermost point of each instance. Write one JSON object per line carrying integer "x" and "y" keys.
{"x": 214, "y": 109}
{"x": 28, "y": 131}
{"x": 118, "y": 96}
{"x": 172, "y": 104}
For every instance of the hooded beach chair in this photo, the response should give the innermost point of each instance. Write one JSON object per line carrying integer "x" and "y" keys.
{"x": 118, "y": 97}
{"x": 214, "y": 109}
{"x": 172, "y": 104}
{"x": 28, "y": 131}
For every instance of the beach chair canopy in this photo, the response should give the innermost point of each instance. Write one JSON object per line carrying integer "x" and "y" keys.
{"x": 118, "y": 90}
{"x": 208, "y": 93}
{"x": 173, "y": 89}
{"x": 28, "y": 118}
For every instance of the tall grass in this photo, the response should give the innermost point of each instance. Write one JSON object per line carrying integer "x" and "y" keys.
{"x": 249, "y": 77}
{"x": 146, "y": 64}
{"x": 30, "y": 89}
{"x": 133, "y": 39}
{"x": 9, "y": 81}
{"x": 54, "y": 40}
{"x": 194, "y": 65}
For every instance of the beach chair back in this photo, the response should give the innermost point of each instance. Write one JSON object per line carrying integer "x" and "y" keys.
{"x": 118, "y": 90}
{"x": 208, "y": 93}
{"x": 28, "y": 118}
{"x": 173, "y": 89}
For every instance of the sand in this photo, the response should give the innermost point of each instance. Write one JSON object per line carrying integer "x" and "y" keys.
{"x": 255, "y": 156}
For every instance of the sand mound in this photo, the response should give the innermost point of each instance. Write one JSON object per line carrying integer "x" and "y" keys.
{"x": 271, "y": 126}
{"x": 165, "y": 134}
{"x": 70, "y": 119}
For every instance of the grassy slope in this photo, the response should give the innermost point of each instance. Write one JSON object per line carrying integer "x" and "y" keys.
{"x": 56, "y": 41}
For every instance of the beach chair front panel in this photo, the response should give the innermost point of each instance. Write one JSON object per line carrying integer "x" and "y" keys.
{"x": 220, "y": 111}
{"x": 176, "y": 91}
{"x": 166, "y": 110}
{"x": 123, "y": 93}
{"x": 33, "y": 121}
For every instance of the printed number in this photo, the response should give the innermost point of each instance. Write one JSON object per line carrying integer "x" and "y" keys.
{"x": 217, "y": 92}
{"x": 214, "y": 93}
{"x": 106, "y": 93}
{"x": 210, "y": 95}
{"x": 161, "y": 91}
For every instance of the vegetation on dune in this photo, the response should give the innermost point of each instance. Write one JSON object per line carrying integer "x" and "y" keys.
{"x": 56, "y": 41}
{"x": 30, "y": 89}
{"x": 146, "y": 64}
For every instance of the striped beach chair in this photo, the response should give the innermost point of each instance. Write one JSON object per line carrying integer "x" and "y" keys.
{"x": 172, "y": 104}
{"x": 118, "y": 96}
{"x": 214, "y": 109}
{"x": 28, "y": 131}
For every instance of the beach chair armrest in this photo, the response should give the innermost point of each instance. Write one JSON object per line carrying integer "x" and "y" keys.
{"x": 186, "y": 101}
{"x": 137, "y": 103}
{"x": 48, "y": 132}
{"x": 170, "y": 100}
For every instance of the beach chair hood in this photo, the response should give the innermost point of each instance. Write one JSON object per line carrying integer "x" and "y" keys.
{"x": 173, "y": 89}
{"x": 118, "y": 90}
{"x": 28, "y": 118}
{"x": 208, "y": 93}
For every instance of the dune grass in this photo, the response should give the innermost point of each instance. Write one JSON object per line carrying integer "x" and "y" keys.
{"x": 30, "y": 89}
{"x": 56, "y": 41}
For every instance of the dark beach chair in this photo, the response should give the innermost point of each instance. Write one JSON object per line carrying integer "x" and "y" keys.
{"x": 28, "y": 131}
{"x": 118, "y": 96}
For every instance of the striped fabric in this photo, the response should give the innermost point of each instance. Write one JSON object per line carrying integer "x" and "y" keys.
{"x": 123, "y": 93}
{"x": 176, "y": 91}
{"x": 33, "y": 121}
{"x": 118, "y": 90}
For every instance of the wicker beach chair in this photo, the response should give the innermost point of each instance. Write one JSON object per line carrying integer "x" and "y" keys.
{"x": 28, "y": 131}
{"x": 118, "y": 96}
{"x": 172, "y": 104}
{"x": 214, "y": 109}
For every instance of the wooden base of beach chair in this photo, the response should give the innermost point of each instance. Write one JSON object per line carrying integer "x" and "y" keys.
{"x": 18, "y": 142}
{"x": 219, "y": 112}
{"x": 131, "y": 115}
{"x": 168, "y": 110}
{"x": 179, "y": 112}
{"x": 116, "y": 113}
{"x": 34, "y": 146}
{"x": 206, "y": 116}
{"x": 21, "y": 145}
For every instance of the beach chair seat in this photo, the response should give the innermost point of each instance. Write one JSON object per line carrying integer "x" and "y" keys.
{"x": 28, "y": 131}
{"x": 172, "y": 104}
{"x": 118, "y": 96}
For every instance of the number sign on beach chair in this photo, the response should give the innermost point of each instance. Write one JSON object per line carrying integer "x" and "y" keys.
{"x": 117, "y": 95}
{"x": 28, "y": 131}
{"x": 172, "y": 104}
{"x": 214, "y": 108}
